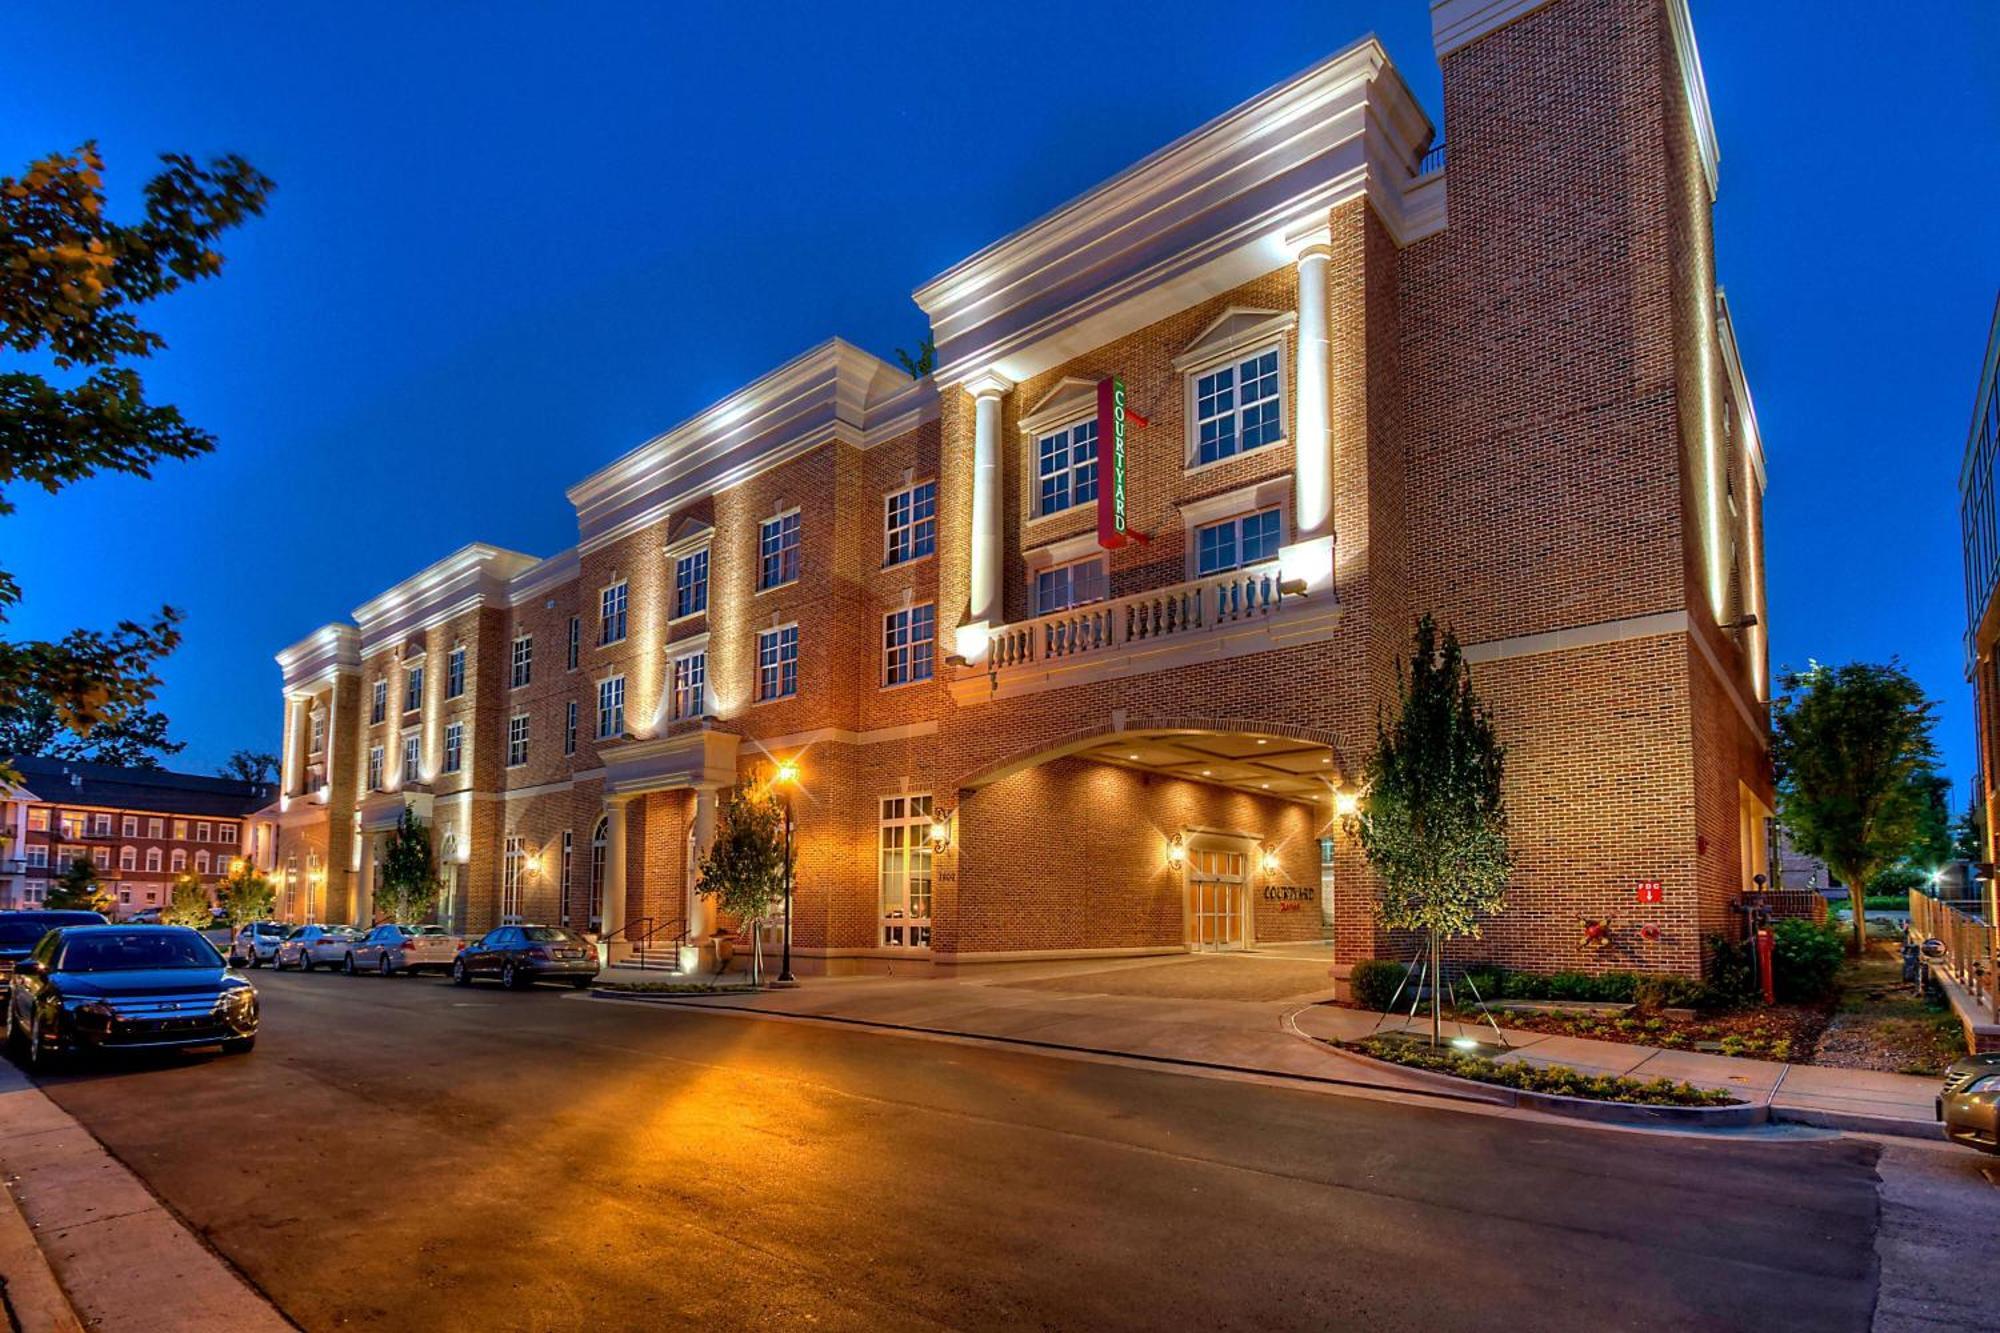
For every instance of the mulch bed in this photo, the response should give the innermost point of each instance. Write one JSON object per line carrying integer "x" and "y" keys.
{"x": 1786, "y": 1032}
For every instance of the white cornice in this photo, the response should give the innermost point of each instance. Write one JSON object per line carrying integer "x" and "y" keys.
{"x": 1695, "y": 86}
{"x": 1989, "y": 370}
{"x": 834, "y": 391}
{"x": 1456, "y": 23}
{"x": 1202, "y": 214}
{"x": 543, "y": 578}
{"x": 1732, "y": 361}
{"x": 328, "y": 649}
{"x": 471, "y": 576}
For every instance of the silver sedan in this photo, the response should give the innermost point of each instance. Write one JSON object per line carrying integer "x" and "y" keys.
{"x": 390, "y": 948}
{"x": 313, "y": 946}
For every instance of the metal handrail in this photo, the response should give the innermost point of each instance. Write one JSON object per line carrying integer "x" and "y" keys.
{"x": 1971, "y": 946}
{"x": 1432, "y": 160}
{"x": 626, "y": 930}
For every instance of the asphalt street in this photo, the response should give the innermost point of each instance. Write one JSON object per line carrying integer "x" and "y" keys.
{"x": 405, "y": 1154}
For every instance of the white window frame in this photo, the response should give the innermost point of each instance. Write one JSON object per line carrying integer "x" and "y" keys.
{"x": 315, "y": 730}
{"x": 128, "y": 858}
{"x": 1236, "y": 521}
{"x": 517, "y": 740}
{"x": 38, "y": 818}
{"x": 378, "y": 701}
{"x": 1271, "y": 493}
{"x": 153, "y": 860}
{"x": 900, "y": 540}
{"x": 914, "y": 660}
{"x": 776, "y": 634}
{"x": 689, "y": 672}
{"x": 377, "y": 770}
{"x": 901, "y": 838}
{"x": 177, "y": 863}
{"x": 413, "y": 688}
{"x": 201, "y": 862}
{"x": 796, "y": 549}
{"x": 180, "y": 830}
{"x": 130, "y": 826}
{"x": 1233, "y": 360}
{"x": 568, "y": 873}
{"x": 614, "y": 604}
{"x": 413, "y": 758}
{"x": 1071, "y": 600}
{"x": 226, "y": 833}
{"x": 610, "y": 708}
{"x": 1038, "y": 506}
{"x": 574, "y": 653}
{"x": 511, "y": 858}
{"x": 156, "y": 827}
{"x": 100, "y": 824}
{"x": 694, "y": 565}
{"x": 454, "y": 672}
{"x": 454, "y": 747}
{"x": 202, "y": 830}
{"x": 521, "y": 663}
{"x": 569, "y": 727}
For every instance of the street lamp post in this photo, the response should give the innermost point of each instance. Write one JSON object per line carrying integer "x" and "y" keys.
{"x": 788, "y": 776}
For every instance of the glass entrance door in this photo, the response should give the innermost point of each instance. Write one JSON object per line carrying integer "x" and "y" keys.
{"x": 1216, "y": 898}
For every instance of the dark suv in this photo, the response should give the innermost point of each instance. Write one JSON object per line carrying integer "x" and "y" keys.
{"x": 522, "y": 955}
{"x": 126, "y": 987}
{"x": 20, "y": 932}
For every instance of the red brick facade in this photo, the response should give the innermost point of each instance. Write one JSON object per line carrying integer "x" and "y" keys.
{"x": 1531, "y": 428}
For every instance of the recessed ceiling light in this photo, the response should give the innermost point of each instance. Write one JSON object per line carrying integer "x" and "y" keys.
{"x": 1204, "y": 772}
{"x": 1266, "y": 786}
{"x": 1262, "y": 741}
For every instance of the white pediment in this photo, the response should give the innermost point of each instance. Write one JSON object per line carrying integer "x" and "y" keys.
{"x": 688, "y": 534}
{"x": 1237, "y": 329}
{"x": 1072, "y": 398}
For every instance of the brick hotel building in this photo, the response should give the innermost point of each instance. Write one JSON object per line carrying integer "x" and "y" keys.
{"x": 1496, "y": 384}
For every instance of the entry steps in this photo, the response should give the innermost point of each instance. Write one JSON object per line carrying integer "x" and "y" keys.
{"x": 654, "y": 958}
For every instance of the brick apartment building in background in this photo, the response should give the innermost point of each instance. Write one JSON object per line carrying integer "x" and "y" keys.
{"x": 1496, "y": 383}
{"x": 1979, "y": 526}
{"x": 141, "y": 827}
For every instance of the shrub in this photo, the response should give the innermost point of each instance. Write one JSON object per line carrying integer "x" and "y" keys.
{"x": 1557, "y": 1079}
{"x": 1670, "y": 992}
{"x": 1374, "y": 982}
{"x": 1805, "y": 958}
{"x": 1732, "y": 978}
{"x": 1896, "y": 882}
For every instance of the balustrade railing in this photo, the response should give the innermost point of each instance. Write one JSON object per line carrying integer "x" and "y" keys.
{"x": 1970, "y": 952}
{"x": 1186, "y": 609}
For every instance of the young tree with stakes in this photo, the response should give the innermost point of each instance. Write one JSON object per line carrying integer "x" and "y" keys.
{"x": 78, "y": 889}
{"x": 189, "y": 905}
{"x": 410, "y": 881}
{"x": 246, "y": 896}
{"x": 1433, "y": 823}
{"x": 1857, "y": 771}
{"x": 745, "y": 869}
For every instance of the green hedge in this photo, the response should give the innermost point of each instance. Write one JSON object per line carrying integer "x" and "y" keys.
{"x": 1557, "y": 1079}
{"x": 1374, "y": 982}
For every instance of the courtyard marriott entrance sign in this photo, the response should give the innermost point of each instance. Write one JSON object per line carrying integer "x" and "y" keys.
{"x": 1114, "y": 418}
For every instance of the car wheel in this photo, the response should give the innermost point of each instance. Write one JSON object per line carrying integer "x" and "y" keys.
{"x": 347, "y": 966}
{"x": 305, "y": 961}
{"x": 459, "y": 976}
{"x": 386, "y": 967}
{"x": 509, "y": 977}
{"x": 40, "y": 1058}
{"x": 239, "y": 1045}
{"x": 256, "y": 959}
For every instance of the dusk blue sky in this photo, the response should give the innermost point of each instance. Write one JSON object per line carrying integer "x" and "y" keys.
{"x": 511, "y": 241}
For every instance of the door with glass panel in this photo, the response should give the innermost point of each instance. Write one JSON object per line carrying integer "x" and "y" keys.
{"x": 1216, "y": 889}
{"x": 905, "y": 840}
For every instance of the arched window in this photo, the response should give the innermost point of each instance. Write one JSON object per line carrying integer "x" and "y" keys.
{"x": 201, "y": 863}
{"x": 152, "y": 858}
{"x": 600, "y": 842}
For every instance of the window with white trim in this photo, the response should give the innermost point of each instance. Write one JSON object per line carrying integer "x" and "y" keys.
{"x": 201, "y": 862}
{"x": 454, "y": 746}
{"x": 1236, "y": 542}
{"x": 910, "y": 523}
{"x": 568, "y": 871}
{"x": 1074, "y": 584}
{"x": 72, "y": 826}
{"x": 909, "y": 644}
{"x": 413, "y": 689}
{"x": 569, "y": 727}
{"x": 38, "y": 818}
{"x": 690, "y": 686}
{"x": 523, "y": 662}
{"x": 38, "y": 856}
{"x": 905, "y": 871}
{"x": 180, "y": 830}
{"x": 378, "y": 701}
{"x": 130, "y": 825}
{"x": 778, "y": 550}
{"x": 610, "y": 708}
{"x": 778, "y": 663}
{"x": 1238, "y": 406}
{"x": 226, "y": 833}
{"x": 153, "y": 859}
{"x": 1066, "y": 468}
{"x": 575, "y": 642}
{"x": 128, "y": 858}
{"x": 201, "y": 831}
{"x": 316, "y": 725}
{"x": 517, "y": 740}
{"x": 454, "y": 674}
{"x": 611, "y": 614}
{"x": 154, "y": 828}
{"x": 178, "y": 862}
{"x": 691, "y": 583}
{"x": 374, "y": 768}
{"x": 100, "y": 825}
{"x": 510, "y": 878}
{"x": 413, "y": 759}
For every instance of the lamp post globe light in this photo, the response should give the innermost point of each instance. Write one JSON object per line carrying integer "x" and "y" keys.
{"x": 786, "y": 778}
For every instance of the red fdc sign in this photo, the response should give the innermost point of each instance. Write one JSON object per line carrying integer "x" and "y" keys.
{"x": 1114, "y": 419}
{"x": 1649, "y": 891}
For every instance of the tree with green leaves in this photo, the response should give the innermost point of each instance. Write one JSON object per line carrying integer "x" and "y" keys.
{"x": 78, "y": 889}
{"x": 189, "y": 904}
{"x": 1968, "y": 835}
{"x": 257, "y": 766}
{"x": 1434, "y": 816}
{"x": 745, "y": 868}
{"x": 245, "y": 895}
{"x": 133, "y": 738}
{"x": 1856, "y": 767}
{"x": 71, "y": 282}
{"x": 410, "y": 880}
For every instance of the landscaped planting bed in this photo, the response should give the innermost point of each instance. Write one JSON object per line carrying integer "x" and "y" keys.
{"x": 1785, "y": 1032}
{"x": 1552, "y": 1080}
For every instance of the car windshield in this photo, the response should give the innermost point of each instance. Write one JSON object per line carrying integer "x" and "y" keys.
{"x": 546, "y": 934}
{"x": 423, "y": 930}
{"x": 136, "y": 951}
{"x": 28, "y": 930}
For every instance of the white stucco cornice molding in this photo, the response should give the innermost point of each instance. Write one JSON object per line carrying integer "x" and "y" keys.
{"x": 321, "y": 654}
{"x": 1732, "y": 361}
{"x": 474, "y": 575}
{"x": 833, "y": 391}
{"x": 1459, "y": 23}
{"x": 543, "y": 578}
{"x": 1198, "y": 217}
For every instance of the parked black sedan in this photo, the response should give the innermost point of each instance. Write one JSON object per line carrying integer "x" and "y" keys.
{"x": 523, "y": 955}
{"x": 100, "y": 988}
{"x": 20, "y": 932}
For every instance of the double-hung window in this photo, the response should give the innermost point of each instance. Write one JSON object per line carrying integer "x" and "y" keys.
{"x": 611, "y": 614}
{"x": 454, "y": 746}
{"x": 1238, "y": 407}
{"x": 130, "y": 825}
{"x": 378, "y": 703}
{"x": 201, "y": 831}
{"x": 569, "y": 728}
{"x": 152, "y": 859}
{"x": 575, "y": 642}
{"x": 226, "y": 833}
{"x": 454, "y": 674}
{"x": 610, "y": 708}
{"x": 100, "y": 825}
{"x": 517, "y": 740}
{"x": 690, "y": 686}
{"x": 911, "y": 523}
{"x": 317, "y": 742}
{"x": 524, "y": 661}
{"x": 178, "y": 861}
{"x": 128, "y": 858}
{"x": 413, "y": 759}
{"x": 1069, "y": 585}
{"x": 778, "y": 550}
{"x": 413, "y": 689}
{"x": 909, "y": 644}
{"x": 374, "y": 768}
{"x": 1236, "y": 542}
{"x": 691, "y": 584}
{"x": 778, "y": 663}
{"x": 1066, "y": 468}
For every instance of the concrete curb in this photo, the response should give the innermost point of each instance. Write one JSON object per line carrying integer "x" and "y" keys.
{"x": 1858, "y": 1122}
{"x": 1740, "y": 1116}
{"x": 34, "y": 1299}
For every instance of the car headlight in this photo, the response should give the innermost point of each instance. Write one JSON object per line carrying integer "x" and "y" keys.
{"x": 240, "y": 997}
{"x": 1986, "y": 1083}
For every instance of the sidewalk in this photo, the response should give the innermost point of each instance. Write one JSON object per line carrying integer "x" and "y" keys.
{"x": 1171, "y": 1010}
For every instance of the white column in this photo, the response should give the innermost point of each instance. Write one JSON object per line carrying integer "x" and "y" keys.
{"x": 1310, "y": 557}
{"x": 364, "y": 884}
{"x": 614, "y": 863}
{"x": 704, "y": 838}
{"x": 292, "y": 759}
{"x": 983, "y": 600}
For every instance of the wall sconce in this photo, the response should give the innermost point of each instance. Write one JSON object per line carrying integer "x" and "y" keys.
{"x": 941, "y": 831}
{"x": 1268, "y": 862}
{"x": 1347, "y": 805}
{"x": 1176, "y": 852}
